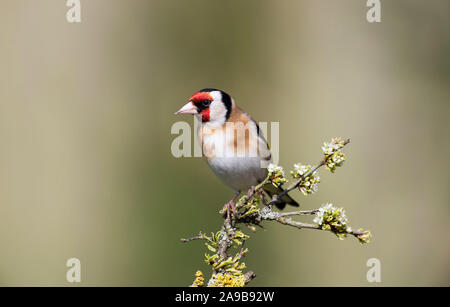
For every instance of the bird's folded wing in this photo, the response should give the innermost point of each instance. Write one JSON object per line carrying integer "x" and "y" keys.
{"x": 270, "y": 189}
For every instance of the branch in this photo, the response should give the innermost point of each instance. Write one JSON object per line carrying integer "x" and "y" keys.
{"x": 249, "y": 276}
{"x": 281, "y": 217}
{"x": 252, "y": 209}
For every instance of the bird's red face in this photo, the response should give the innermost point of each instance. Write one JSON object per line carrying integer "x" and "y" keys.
{"x": 202, "y": 101}
{"x": 212, "y": 105}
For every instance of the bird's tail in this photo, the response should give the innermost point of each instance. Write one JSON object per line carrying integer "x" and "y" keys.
{"x": 272, "y": 190}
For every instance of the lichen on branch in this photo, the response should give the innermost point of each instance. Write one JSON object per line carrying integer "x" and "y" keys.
{"x": 226, "y": 246}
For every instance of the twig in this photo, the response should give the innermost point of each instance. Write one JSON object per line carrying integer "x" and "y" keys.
{"x": 192, "y": 239}
{"x": 307, "y": 212}
{"x": 299, "y": 181}
{"x": 201, "y": 236}
{"x": 282, "y": 219}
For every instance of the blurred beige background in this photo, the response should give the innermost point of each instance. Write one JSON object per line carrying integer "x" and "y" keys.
{"x": 85, "y": 116}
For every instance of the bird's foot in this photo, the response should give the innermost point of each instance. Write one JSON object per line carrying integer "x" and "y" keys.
{"x": 251, "y": 191}
{"x": 230, "y": 207}
{"x": 263, "y": 197}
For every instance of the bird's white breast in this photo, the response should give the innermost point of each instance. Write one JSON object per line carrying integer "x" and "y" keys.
{"x": 239, "y": 172}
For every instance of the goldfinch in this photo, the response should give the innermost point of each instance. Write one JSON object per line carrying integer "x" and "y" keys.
{"x": 232, "y": 143}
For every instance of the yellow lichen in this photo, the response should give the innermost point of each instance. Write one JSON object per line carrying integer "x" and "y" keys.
{"x": 199, "y": 279}
{"x": 227, "y": 280}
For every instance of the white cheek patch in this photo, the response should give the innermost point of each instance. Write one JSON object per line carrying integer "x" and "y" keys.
{"x": 216, "y": 95}
{"x": 217, "y": 113}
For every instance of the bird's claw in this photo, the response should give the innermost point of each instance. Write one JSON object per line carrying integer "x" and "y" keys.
{"x": 251, "y": 191}
{"x": 230, "y": 207}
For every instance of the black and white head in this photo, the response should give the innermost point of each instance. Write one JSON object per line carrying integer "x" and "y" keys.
{"x": 212, "y": 105}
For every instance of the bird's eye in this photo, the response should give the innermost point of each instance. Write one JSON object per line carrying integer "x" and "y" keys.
{"x": 206, "y": 103}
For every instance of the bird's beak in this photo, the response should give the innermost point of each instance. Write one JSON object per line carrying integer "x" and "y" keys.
{"x": 188, "y": 108}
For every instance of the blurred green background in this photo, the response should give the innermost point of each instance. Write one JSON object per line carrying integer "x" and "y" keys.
{"x": 86, "y": 110}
